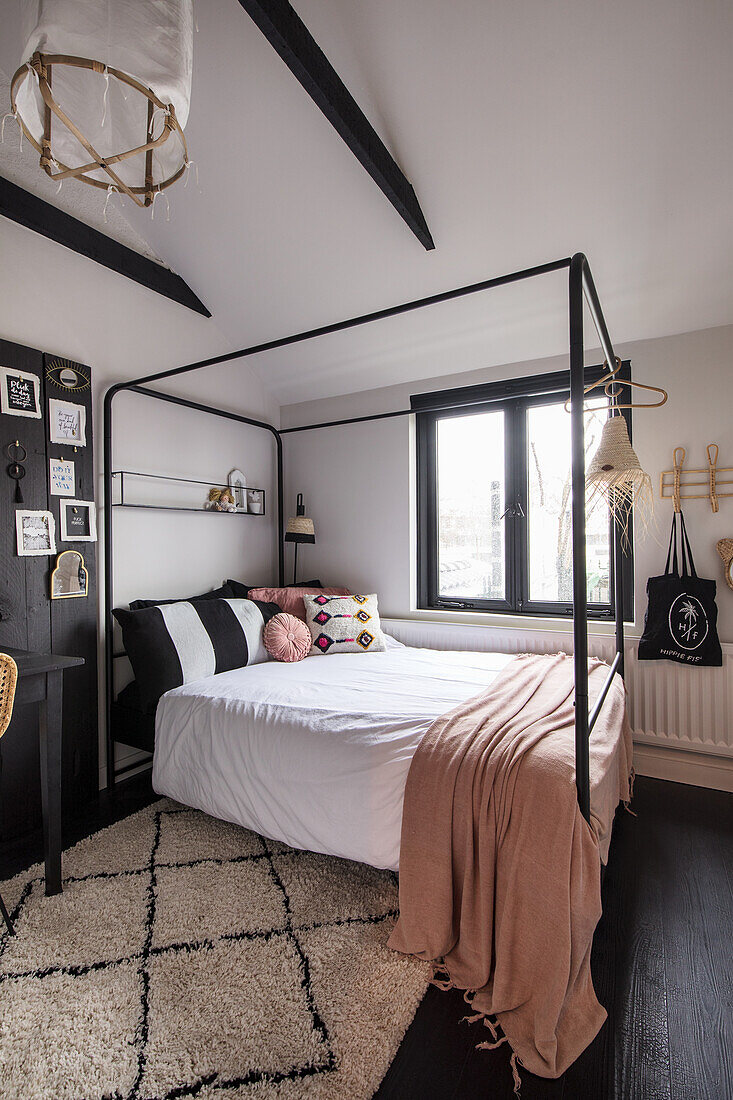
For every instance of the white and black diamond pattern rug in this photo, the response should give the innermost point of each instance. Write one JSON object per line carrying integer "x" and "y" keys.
{"x": 190, "y": 958}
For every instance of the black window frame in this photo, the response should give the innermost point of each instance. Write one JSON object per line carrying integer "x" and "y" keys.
{"x": 513, "y": 397}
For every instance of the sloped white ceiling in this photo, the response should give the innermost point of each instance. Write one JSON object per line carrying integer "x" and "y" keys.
{"x": 528, "y": 131}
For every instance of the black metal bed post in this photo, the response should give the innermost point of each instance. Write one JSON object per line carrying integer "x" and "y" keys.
{"x": 580, "y": 584}
{"x": 132, "y": 387}
{"x": 108, "y": 586}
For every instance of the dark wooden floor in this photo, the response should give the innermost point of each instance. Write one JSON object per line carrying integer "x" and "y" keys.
{"x": 662, "y": 964}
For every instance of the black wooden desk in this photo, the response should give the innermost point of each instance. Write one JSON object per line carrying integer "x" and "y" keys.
{"x": 40, "y": 678}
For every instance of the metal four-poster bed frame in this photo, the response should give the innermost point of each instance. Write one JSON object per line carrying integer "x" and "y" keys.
{"x": 581, "y": 289}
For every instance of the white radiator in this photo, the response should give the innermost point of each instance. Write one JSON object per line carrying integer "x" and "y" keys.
{"x": 670, "y": 705}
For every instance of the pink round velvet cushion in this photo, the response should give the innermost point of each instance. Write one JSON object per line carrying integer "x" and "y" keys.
{"x": 287, "y": 638}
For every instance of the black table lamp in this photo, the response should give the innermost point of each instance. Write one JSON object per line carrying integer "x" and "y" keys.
{"x": 299, "y": 529}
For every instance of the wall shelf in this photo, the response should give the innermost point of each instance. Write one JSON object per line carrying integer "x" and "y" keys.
{"x": 120, "y": 477}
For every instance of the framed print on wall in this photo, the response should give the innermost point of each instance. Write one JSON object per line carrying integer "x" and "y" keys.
{"x": 35, "y": 533}
{"x": 78, "y": 521}
{"x": 61, "y": 479}
{"x": 20, "y": 393}
{"x": 67, "y": 423}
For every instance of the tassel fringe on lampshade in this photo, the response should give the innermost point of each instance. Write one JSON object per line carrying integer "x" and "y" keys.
{"x": 616, "y": 475}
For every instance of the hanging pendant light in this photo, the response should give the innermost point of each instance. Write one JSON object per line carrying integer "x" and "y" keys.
{"x": 616, "y": 476}
{"x": 104, "y": 90}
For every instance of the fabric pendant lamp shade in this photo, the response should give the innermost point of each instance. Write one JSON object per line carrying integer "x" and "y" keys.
{"x": 299, "y": 529}
{"x": 103, "y": 91}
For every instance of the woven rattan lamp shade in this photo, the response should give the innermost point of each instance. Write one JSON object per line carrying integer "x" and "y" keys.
{"x": 300, "y": 529}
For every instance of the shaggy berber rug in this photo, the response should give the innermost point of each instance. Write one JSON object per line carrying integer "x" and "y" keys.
{"x": 187, "y": 957}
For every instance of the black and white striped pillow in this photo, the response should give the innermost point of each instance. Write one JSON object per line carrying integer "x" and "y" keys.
{"x": 176, "y": 643}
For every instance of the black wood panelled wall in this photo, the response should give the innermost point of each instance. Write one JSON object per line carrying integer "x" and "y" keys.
{"x": 29, "y": 619}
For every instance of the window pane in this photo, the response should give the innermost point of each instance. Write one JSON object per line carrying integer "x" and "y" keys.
{"x": 470, "y": 476}
{"x": 549, "y": 522}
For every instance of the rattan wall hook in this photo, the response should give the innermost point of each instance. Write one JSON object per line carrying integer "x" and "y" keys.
{"x": 679, "y": 484}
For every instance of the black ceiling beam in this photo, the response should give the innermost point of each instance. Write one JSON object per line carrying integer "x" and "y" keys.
{"x": 288, "y": 35}
{"x": 26, "y": 209}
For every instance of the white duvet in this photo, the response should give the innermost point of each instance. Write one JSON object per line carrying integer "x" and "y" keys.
{"x": 315, "y": 753}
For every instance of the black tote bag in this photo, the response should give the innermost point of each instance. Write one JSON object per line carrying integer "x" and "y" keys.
{"x": 681, "y": 618}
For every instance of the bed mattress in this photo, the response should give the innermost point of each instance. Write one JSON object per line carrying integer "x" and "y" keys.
{"x": 315, "y": 753}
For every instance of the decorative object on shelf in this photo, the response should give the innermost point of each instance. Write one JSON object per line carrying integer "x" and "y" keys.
{"x": 20, "y": 393}
{"x": 725, "y": 549}
{"x": 69, "y": 580}
{"x": 35, "y": 533}
{"x": 299, "y": 529}
{"x": 238, "y": 484}
{"x": 255, "y": 501}
{"x": 221, "y": 500}
{"x": 680, "y": 484}
{"x": 78, "y": 521}
{"x": 61, "y": 479}
{"x": 123, "y": 74}
{"x": 17, "y": 454}
{"x": 67, "y": 376}
{"x": 67, "y": 423}
{"x": 681, "y": 619}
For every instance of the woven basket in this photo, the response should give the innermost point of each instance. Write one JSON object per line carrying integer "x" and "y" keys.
{"x": 725, "y": 549}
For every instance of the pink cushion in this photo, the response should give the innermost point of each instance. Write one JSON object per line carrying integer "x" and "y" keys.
{"x": 286, "y": 638}
{"x": 291, "y": 599}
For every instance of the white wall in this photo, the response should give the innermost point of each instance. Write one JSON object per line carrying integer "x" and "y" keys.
{"x": 359, "y": 487}
{"x": 55, "y": 300}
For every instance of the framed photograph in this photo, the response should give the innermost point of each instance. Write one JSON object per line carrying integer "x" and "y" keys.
{"x": 20, "y": 393}
{"x": 61, "y": 480}
{"x": 78, "y": 521}
{"x": 35, "y": 533}
{"x": 67, "y": 423}
{"x": 69, "y": 579}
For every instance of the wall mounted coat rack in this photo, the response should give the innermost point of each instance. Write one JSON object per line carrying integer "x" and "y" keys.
{"x": 680, "y": 484}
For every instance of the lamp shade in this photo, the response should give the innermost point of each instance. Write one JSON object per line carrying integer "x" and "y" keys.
{"x": 300, "y": 529}
{"x": 103, "y": 91}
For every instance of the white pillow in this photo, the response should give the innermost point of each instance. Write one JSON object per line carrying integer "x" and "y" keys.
{"x": 344, "y": 624}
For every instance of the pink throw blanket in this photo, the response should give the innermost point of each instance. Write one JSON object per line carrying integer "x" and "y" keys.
{"x": 499, "y": 871}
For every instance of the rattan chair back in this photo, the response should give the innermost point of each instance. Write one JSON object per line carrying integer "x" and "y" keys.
{"x": 8, "y": 680}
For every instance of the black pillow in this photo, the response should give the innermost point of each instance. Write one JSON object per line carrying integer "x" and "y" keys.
{"x": 174, "y": 643}
{"x": 223, "y": 593}
{"x": 241, "y": 591}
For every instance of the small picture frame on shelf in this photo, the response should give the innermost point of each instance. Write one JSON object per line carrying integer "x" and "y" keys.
{"x": 20, "y": 393}
{"x": 35, "y": 533}
{"x": 70, "y": 579}
{"x": 61, "y": 477}
{"x": 67, "y": 423}
{"x": 78, "y": 521}
{"x": 238, "y": 484}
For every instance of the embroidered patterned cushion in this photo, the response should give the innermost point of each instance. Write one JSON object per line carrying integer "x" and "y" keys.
{"x": 343, "y": 624}
{"x": 287, "y": 638}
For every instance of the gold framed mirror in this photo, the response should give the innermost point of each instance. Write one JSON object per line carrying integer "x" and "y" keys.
{"x": 70, "y": 579}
